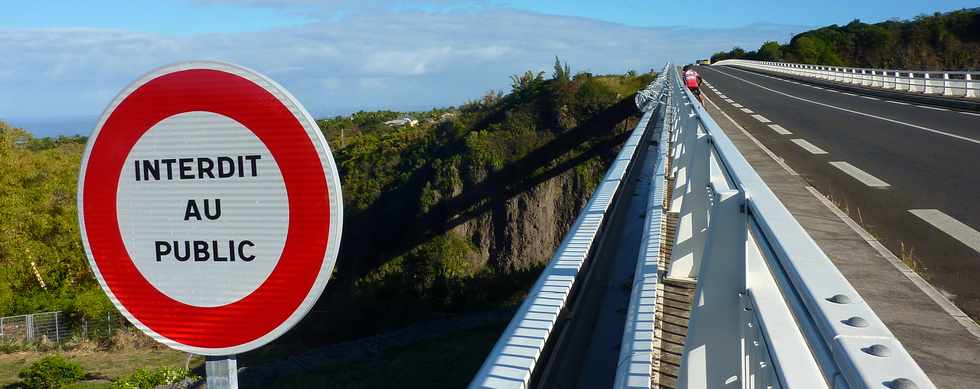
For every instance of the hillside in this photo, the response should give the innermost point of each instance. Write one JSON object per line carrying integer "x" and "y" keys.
{"x": 453, "y": 215}
{"x": 942, "y": 41}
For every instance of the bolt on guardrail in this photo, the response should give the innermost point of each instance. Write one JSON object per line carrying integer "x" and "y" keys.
{"x": 772, "y": 309}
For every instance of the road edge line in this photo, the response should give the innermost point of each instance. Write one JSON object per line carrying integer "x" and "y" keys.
{"x": 955, "y": 312}
{"x": 756, "y": 141}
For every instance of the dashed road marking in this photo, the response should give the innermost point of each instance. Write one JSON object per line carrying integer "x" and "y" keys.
{"x": 924, "y": 286}
{"x": 730, "y": 101}
{"x": 765, "y": 149}
{"x": 723, "y": 96}
{"x": 737, "y": 105}
{"x": 952, "y": 227}
{"x": 761, "y": 119}
{"x": 813, "y": 149}
{"x": 868, "y": 97}
{"x": 923, "y": 128}
{"x": 933, "y": 108}
{"x": 779, "y": 129}
{"x": 849, "y": 94}
{"x": 746, "y": 110}
{"x": 970, "y": 113}
{"x": 860, "y": 175}
{"x": 897, "y": 102}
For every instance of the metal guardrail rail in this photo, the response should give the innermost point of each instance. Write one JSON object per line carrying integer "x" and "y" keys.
{"x": 513, "y": 359}
{"x": 964, "y": 84}
{"x": 636, "y": 352}
{"x": 771, "y": 309}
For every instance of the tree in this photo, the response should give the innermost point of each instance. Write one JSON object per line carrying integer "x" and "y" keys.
{"x": 770, "y": 51}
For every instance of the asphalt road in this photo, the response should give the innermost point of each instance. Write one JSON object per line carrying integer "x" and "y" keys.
{"x": 910, "y": 174}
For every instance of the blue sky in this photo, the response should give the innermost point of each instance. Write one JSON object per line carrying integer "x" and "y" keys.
{"x": 62, "y": 62}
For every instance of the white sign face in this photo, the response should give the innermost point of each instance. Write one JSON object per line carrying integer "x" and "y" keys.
{"x": 210, "y": 207}
{"x": 188, "y": 213}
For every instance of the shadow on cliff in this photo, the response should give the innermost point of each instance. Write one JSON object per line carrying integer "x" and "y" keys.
{"x": 394, "y": 237}
{"x": 383, "y": 231}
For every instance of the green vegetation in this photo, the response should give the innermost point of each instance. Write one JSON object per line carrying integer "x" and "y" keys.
{"x": 50, "y": 372}
{"x": 409, "y": 192}
{"x": 426, "y": 206}
{"x": 949, "y": 41}
{"x": 42, "y": 264}
{"x": 151, "y": 378}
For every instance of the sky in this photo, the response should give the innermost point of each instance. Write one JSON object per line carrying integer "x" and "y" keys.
{"x": 62, "y": 62}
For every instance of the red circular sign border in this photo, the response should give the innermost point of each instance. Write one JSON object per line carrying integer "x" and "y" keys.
{"x": 287, "y": 286}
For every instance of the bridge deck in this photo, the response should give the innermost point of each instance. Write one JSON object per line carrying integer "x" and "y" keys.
{"x": 945, "y": 349}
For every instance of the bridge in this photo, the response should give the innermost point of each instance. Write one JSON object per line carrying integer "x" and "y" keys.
{"x": 721, "y": 248}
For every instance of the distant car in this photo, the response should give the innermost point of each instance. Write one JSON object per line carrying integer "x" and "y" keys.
{"x": 703, "y": 62}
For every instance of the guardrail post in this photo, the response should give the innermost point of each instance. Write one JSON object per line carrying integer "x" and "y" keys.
{"x": 947, "y": 91}
{"x": 713, "y": 348}
{"x": 221, "y": 371}
{"x": 691, "y": 180}
{"x": 970, "y": 92}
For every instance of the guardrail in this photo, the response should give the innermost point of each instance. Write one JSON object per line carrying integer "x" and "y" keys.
{"x": 635, "y": 364}
{"x": 514, "y": 357}
{"x": 770, "y": 309}
{"x": 964, "y": 84}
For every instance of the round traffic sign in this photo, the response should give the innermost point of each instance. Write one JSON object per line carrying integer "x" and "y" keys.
{"x": 210, "y": 207}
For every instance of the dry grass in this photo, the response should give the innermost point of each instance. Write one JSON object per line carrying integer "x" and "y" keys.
{"x": 907, "y": 252}
{"x": 118, "y": 356}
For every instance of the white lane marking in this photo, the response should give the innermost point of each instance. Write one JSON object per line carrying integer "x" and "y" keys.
{"x": 849, "y": 94}
{"x": 868, "y": 97}
{"x": 952, "y": 227}
{"x": 860, "y": 175}
{"x": 761, "y": 119}
{"x": 916, "y": 279}
{"x": 897, "y": 102}
{"x": 940, "y": 132}
{"x": 970, "y": 113}
{"x": 746, "y": 110}
{"x": 723, "y": 96}
{"x": 730, "y": 101}
{"x": 933, "y": 108}
{"x": 779, "y": 129}
{"x": 756, "y": 141}
{"x": 737, "y": 105}
{"x": 813, "y": 149}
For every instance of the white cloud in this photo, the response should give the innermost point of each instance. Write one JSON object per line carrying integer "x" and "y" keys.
{"x": 397, "y": 60}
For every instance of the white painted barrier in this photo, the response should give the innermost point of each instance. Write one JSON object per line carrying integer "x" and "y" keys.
{"x": 939, "y": 83}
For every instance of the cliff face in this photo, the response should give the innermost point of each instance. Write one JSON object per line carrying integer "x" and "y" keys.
{"x": 523, "y": 231}
{"x": 460, "y": 215}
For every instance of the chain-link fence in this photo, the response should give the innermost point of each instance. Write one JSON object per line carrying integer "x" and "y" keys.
{"x": 55, "y": 327}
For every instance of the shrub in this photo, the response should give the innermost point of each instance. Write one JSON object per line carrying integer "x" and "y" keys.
{"x": 146, "y": 378}
{"x": 52, "y": 371}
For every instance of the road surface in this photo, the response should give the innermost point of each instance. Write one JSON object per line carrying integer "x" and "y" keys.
{"x": 909, "y": 173}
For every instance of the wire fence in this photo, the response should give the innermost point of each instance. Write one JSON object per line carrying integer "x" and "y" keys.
{"x": 55, "y": 327}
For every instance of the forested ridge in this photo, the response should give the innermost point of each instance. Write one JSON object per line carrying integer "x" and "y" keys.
{"x": 942, "y": 41}
{"x": 436, "y": 215}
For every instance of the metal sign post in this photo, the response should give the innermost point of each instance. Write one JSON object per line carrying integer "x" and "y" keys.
{"x": 210, "y": 209}
{"x": 221, "y": 371}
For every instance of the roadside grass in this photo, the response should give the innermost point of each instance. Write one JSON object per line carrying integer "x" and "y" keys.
{"x": 448, "y": 362}
{"x": 103, "y": 364}
{"x": 907, "y": 252}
